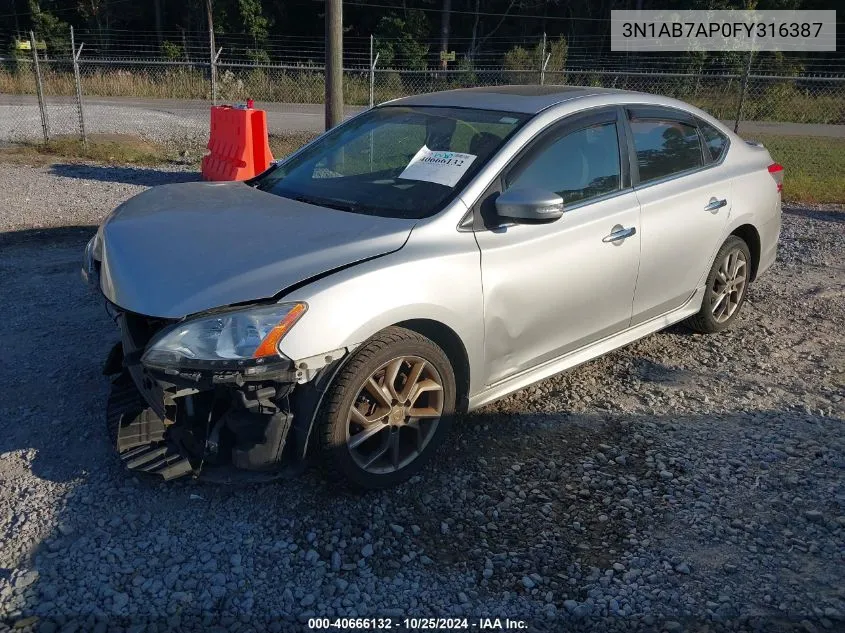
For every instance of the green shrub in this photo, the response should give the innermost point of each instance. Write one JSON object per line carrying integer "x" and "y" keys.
{"x": 171, "y": 51}
{"x": 531, "y": 60}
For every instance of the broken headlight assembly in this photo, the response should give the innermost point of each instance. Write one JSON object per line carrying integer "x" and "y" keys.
{"x": 246, "y": 340}
{"x": 93, "y": 255}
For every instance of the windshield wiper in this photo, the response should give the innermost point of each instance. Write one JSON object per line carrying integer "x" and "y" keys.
{"x": 340, "y": 205}
{"x": 343, "y": 205}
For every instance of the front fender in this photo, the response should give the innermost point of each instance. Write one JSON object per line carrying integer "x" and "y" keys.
{"x": 432, "y": 277}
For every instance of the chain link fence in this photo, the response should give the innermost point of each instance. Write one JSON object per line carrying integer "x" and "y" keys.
{"x": 73, "y": 94}
{"x": 767, "y": 98}
{"x": 168, "y": 102}
{"x": 38, "y": 100}
{"x": 165, "y": 103}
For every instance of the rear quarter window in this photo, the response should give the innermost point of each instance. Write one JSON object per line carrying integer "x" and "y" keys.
{"x": 716, "y": 142}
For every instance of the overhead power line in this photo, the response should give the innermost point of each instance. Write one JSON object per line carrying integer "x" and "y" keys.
{"x": 487, "y": 13}
{"x": 21, "y": 14}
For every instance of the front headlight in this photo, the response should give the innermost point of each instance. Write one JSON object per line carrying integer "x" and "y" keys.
{"x": 229, "y": 339}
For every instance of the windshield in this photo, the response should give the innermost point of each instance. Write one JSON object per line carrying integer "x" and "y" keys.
{"x": 396, "y": 161}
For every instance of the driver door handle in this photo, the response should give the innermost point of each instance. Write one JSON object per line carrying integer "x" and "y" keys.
{"x": 715, "y": 204}
{"x": 619, "y": 234}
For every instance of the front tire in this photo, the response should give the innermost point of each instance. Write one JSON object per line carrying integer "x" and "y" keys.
{"x": 726, "y": 287}
{"x": 388, "y": 410}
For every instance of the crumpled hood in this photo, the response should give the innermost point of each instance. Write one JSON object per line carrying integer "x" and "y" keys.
{"x": 179, "y": 249}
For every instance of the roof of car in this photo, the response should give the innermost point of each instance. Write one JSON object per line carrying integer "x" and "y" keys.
{"x": 525, "y": 99}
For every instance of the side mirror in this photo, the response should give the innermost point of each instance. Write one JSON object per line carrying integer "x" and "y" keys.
{"x": 529, "y": 206}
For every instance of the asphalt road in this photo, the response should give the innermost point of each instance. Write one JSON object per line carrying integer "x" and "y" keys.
{"x": 162, "y": 120}
{"x": 166, "y": 119}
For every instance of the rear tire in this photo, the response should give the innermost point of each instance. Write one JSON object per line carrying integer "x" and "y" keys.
{"x": 725, "y": 288}
{"x": 387, "y": 411}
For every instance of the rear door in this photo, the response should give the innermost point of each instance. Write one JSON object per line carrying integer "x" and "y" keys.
{"x": 685, "y": 200}
{"x": 552, "y": 288}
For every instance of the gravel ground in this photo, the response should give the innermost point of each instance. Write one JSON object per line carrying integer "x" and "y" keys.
{"x": 684, "y": 483}
{"x": 179, "y": 127}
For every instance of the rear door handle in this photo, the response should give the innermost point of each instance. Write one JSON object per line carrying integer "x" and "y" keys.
{"x": 715, "y": 204}
{"x": 619, "y": 234}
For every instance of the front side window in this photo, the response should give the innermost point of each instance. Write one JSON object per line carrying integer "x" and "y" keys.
{"x": 578, "y": 166}
{"x": 394, "y": 161}
{"x": 665, "y": 148}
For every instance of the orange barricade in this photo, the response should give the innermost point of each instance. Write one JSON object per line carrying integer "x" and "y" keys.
{"x": 238, "y": 147}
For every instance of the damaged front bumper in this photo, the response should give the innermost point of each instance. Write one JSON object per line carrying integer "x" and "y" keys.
{"x": 222, "y": 424}
{"x": 213, "y": 420}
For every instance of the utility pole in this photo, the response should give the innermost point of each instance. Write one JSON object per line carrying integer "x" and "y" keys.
{"x": 444, "y": 30}
{"x": 334, "y": 63}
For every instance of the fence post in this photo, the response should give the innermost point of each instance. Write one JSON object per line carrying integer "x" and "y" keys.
{"x": 212, "y": 58}
{"x": 543, "y": 72}
{"x": 543, "y": 62}
{"x": 39, "y": 89}
{"x": 215, "y": 64}
{"x": 742, "y": 90}
{"x": 373, "y": 62}
{"x": 75, "y": 54}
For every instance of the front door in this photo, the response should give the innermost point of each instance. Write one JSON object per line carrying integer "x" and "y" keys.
{"x": 552, "y": 288}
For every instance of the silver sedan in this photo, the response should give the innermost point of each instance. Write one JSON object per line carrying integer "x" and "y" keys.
{"x": 423, "y": 259}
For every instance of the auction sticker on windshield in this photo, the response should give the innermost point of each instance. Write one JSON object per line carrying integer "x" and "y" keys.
{"x": 444, "y": 168}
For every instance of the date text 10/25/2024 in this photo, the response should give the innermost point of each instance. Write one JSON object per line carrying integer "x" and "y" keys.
{"x": 417, "y": 624}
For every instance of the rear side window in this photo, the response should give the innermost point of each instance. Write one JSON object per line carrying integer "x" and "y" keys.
{"x": 716, "y": 142}
{"x": 578, "y": 166}
{"x": 665, "y": 147}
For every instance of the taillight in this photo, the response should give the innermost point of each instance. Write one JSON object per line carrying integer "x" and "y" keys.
{"x": 776, "y": 170}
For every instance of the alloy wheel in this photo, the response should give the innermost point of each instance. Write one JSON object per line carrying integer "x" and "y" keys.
{"x": 394, "y": 414}
{"x": 729, "y": 285}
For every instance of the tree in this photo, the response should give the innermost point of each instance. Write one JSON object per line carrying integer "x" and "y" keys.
{"x": 531, "y": 60}
{"x": 157, "y": 11}
{"x": 256, "y": 25}
{"x": 398, "y": 40}
{"x": 55, "y": 32}
{"x": 253, "y": 19}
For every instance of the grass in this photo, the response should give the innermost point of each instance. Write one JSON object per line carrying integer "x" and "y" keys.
{"x": 116, "y": 149}
{"x": 814, "y": 167}
{"x": 125, "y": 149}
{"x": 282, "y": 145}
{"x": 155, "y": 82}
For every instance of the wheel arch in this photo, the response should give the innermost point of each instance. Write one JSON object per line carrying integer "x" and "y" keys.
{"x": 308, "y": 398}
{"x": 448, "y": 340}
{"x": 749, "y": 234}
